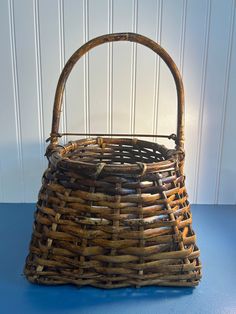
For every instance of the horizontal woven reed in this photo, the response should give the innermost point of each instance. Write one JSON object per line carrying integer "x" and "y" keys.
{"x": 113, "y": 212}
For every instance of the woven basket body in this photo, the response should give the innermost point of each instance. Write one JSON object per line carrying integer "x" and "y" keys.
{"x": 113, "y": 212}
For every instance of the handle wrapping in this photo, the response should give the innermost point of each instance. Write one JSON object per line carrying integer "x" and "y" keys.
{"x": 132, "y": 37}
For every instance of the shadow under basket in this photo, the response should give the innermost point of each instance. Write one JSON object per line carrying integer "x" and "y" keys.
{"x": 114, "y": 212}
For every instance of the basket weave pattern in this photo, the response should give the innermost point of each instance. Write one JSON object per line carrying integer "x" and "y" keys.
{"x": 113, "y": 212}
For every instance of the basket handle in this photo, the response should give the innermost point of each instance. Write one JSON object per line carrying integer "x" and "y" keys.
{"x": 132, "y": 37}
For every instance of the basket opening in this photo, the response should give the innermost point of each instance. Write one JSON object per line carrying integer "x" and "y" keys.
{"x": 116, "y": 151}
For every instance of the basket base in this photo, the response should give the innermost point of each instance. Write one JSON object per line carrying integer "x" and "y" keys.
{"x": 166, "y": 272}
{"x": 128, "y": 283}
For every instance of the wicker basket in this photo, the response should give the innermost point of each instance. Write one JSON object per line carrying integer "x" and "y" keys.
{"x": 113, "y": 212}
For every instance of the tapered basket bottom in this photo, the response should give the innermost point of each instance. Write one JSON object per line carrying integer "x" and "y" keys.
{"x": 113, "y": 213}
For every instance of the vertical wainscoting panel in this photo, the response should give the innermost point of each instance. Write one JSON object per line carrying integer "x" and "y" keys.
{"x": 74, "y": 29}
{"x": 29, "y": 104}
{"x": 123, "y": 14}
{"x": 98, "y": 24}
{"x": 49, "y": 59}
{"x": 147, "y": 19}
{"x": 213, "y": 110}
{"x": 171, "y": 37}
{"x": 194, "y": 69}
{"x": 118, "y": 87}
{"x": 11, "y": 168}
{"x": 227, "y": 189}
{"x": 61, "y": 49}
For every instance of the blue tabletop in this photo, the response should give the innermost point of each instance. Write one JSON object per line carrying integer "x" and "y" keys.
{"x": 215, "y": 227}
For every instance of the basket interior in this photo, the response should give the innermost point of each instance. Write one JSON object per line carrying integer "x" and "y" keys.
{"x": 116, "y": 151}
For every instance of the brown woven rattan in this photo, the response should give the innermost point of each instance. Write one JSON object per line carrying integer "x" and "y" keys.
{"x": 114, "y": 212}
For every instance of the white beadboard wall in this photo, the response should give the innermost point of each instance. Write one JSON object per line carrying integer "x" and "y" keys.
{"x": 121, "y": 87}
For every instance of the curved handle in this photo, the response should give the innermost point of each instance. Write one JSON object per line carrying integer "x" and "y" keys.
{"x": 119, "y": 37}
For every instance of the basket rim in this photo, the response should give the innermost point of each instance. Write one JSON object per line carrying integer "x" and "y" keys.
{"x": 57, "y": 157}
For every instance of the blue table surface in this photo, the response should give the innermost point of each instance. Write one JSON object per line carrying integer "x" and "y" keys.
{"x": 216, "y": 237}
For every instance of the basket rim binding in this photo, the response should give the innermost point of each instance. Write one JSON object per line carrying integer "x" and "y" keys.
{"x": 57, "y": 157}
{"x": 132, "y": 37}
